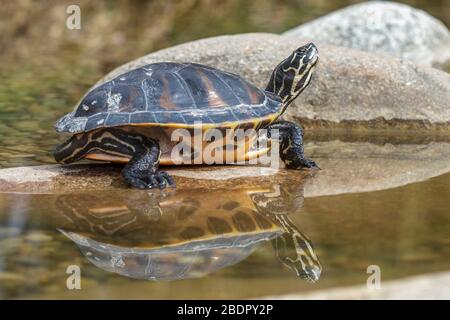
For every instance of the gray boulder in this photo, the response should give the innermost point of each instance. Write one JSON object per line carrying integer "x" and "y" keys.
{"x": 350, "y": 87}
{"x": 382, "y": 27}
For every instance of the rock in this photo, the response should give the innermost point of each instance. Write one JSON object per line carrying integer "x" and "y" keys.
{"x": 382, "y": 27}
{"x": 225, "y": 173}
{"x": 349, "y": 88}
{"x": 48, "y": 178}
{"x": 30, "y": 174}
{"x": 61, "y": 179}
{"x": 346, "y": 167}
{"x": 429, "y": 286}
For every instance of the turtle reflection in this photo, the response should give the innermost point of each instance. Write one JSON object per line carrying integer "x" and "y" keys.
{"x": 180, "y": 235}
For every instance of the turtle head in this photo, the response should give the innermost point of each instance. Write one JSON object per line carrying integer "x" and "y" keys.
{"x": 293, "y": 74}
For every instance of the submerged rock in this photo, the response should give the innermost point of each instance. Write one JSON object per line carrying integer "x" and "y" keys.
{"x": 349, "y": 87}
{"x": 382, "y": 27}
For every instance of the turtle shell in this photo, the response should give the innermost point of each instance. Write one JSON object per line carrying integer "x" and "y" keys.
{"x": 174, "y": 95}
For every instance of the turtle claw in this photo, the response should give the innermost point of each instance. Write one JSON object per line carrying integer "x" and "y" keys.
{"x": 310, "y": 164}
{"x": 161, "y": 180}
{"x": 136, "y": 182}
{"x": 303, "y": 164}
{"x": 158, "y": 179}
{"x": 168, "y": 178}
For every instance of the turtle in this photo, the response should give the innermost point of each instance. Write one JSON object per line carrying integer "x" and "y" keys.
{"x": 184, "y": 234}
{"x": 132, "y": 118}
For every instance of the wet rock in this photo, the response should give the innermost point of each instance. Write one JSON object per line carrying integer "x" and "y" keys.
{"x": 388, "y": 28}
{"x": 226, "y": 172}
{"x": 349, "y": 88}
{"x": 350, "y": 167}
{"x": 30, "y": 174}
{"x": 346, "y": 167}
{"x": 50, "y": 178}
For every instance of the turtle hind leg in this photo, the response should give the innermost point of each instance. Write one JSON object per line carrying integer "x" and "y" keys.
{"x": 290, "y": 137}
{"x": 142, "y": 170}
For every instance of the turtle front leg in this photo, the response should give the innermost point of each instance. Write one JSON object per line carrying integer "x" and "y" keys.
{"x": 142, "y": 170}
{"x": 290, "y": 137}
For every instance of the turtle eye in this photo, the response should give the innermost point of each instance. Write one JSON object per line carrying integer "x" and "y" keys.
{"x": 302, "y": 50}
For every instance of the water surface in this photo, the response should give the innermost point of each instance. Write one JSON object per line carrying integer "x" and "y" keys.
{"x": 404, "y": 230}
